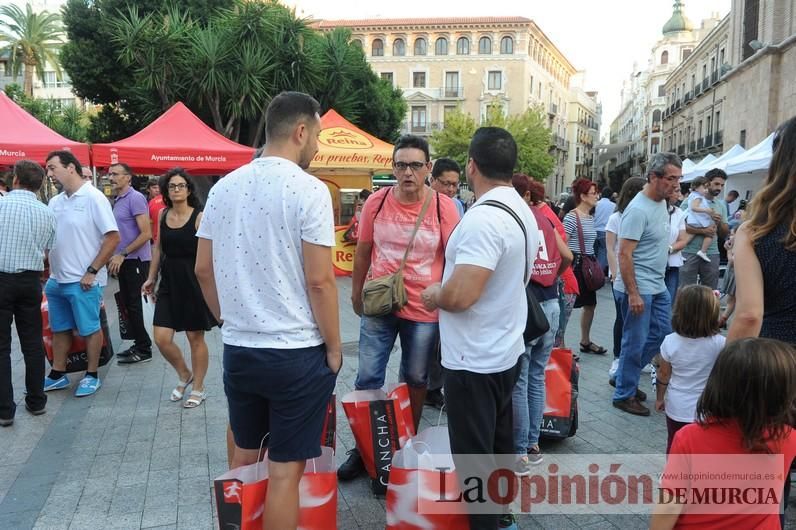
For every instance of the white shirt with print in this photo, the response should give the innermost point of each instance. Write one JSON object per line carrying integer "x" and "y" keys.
{"x": 257, "y": 217}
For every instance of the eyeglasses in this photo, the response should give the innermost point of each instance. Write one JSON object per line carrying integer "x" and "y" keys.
{"x": 175, "y": 187}
{"x": 453, "y": 184}
{"x": 415, "y": 166}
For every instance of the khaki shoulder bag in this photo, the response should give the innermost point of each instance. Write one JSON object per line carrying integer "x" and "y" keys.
{"x": 384, "y": 295}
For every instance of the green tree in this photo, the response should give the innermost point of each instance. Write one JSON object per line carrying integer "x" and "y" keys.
{"x": 225, "y": 65}
{"x": 528, "y": 129}
{"x": 32, "y": 40}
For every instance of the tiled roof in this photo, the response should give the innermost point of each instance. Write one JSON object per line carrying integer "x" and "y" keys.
{"x": 451, "y": 21}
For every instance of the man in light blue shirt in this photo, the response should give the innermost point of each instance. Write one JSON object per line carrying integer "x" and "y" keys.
{"x": 602, "y": 211}
{"x": 28, "y": 232}
{"x": 639, "y": 287}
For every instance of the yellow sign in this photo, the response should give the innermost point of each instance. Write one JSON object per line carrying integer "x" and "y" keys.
{"x": 343, "y": 253}
{"x": 342, "y": 138}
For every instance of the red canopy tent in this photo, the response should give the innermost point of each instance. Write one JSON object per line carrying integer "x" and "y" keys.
{"x": 177, "y": 138}
{"x": 24, "y": 137}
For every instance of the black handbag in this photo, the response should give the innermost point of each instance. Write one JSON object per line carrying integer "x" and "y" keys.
{"x": 536, "y": 323}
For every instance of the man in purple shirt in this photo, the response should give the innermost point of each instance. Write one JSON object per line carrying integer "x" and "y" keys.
{"x": 130, "y": 263}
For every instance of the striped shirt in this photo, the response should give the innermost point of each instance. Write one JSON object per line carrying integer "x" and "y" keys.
{"x": 28, "y": 229}
{"x": 589, "y": 233}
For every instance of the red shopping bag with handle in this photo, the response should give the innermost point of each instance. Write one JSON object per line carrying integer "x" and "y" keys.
{"x": 329, "y": 431}
{"x": 381, "y": 421}
{"x": 560, "y": 419}
{"x": 241, "y": 492}
{"x": 416, "y": 485}
{"x": 76, "y": 359}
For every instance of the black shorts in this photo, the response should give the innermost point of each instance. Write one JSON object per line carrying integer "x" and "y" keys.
{"x": 282, "y": 393}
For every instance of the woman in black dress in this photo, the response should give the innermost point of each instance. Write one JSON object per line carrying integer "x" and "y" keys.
{"x": 179, "y": 304}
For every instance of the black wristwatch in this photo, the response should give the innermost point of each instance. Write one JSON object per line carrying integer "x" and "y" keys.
{"x": 91, "y": 270}
{"x": 125, "y": 254}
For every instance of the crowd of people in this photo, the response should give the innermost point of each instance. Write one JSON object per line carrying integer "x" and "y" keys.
{"x": 256, "y": 261}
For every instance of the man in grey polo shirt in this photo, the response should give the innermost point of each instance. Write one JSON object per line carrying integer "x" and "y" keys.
{"x": 695, "y": 269}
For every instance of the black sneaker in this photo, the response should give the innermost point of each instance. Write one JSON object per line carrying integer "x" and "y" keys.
{"x": 508, "y": 522}
{"x": 6, "y": 422}
{"x": 126, "y": 353}
{"x": 435, "y": 399}
{"x": 135, "y": 357}
{"x": 35, "y": 412}
{"x": 352, "y": 468}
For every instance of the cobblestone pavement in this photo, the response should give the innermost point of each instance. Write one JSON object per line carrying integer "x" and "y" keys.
{"x": 129, "y": 458}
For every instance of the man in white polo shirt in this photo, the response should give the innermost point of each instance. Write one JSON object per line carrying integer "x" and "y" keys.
{"x": 483, "y": 311}
{"x": 86, "y": 236}
{"x": 264, "y": 263}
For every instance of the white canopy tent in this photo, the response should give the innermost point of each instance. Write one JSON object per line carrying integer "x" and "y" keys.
{"x": 755, "y": 159}
{"x": 688, "y": 165}
{"x": 747, "y": 172}
{"x": 720, "y": 163}
{"x": 700, "y": 166}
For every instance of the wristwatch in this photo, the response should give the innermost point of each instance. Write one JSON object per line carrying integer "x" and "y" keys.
{"x": 125, "y": 254}
{"x": 91, "y": 270}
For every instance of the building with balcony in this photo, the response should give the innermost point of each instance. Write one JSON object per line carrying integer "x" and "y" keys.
{"x": 761, "y": 86}
{"x": 696, "y": 98}
{"x": 51, "y": 87}
{"x": 584, "y": 115}
{"x": 639, "y": 129}
{"x": 442, "y": 64}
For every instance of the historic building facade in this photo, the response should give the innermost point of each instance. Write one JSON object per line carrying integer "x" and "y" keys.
{"x": 471, "y": 63}
{"x": 639, "y": 131}
{"x": 696, "y": 95}
{"x": 761, "y": 85}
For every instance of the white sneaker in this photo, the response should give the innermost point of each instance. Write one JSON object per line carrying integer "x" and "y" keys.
{"x": 614, "y": 368}
{"x": 703, "y": 256}
{"x": 648, "y": 369}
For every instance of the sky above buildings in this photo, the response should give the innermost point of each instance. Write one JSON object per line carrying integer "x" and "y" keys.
{"x": 604, "y": 37}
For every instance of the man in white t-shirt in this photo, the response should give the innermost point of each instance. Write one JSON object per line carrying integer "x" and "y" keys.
{"x": 483, "y": 308}
{"x": 264, "y": 264}
{"x": 86, "y": 236}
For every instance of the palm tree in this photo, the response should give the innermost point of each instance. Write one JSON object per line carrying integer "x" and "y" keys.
{"x": 31, "y": 39}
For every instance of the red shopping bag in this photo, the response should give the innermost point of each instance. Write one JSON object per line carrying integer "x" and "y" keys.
{"x": 76, "y": 360}
{"x": 381, "y": 421}
{"x": 416, "y": 486}
{"x": 241, "y": 492}
{"x": 560, "y": 419}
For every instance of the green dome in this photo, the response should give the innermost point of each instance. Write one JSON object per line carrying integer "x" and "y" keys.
{"x": 679, "y": 22}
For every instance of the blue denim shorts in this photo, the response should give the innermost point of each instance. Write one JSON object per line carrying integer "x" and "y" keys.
{"x": 281, "y": 393}
{"x": 71, "y": 307}
{"x": 377, "y": 336}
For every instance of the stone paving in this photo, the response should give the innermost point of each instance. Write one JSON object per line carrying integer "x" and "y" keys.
{"x": 129, "y": 458}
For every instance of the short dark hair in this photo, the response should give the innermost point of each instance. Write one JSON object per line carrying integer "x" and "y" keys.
{"x": 410, "y": 141}
{"x": 494, "y": 152}
{"x": 659, "y": 161}
{"x": 607, "y": 193}
{"x": 286, "y": 111}
{"x": 716, "y": 173}
{"x": 193, "y": 200}
{"x": 734, "y": 192}
{"x": 125, "y": 167}
{"x": 66, "y": 158}
{"x": 29, "y": 174}
{"x": 441, "y": 165}
{"x": 752, "y": 384}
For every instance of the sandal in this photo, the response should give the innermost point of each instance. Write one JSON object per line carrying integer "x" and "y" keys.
{"x": 177, "y": 394}
{"x": 196, "y": 398}
{"x": 592, "y": 348}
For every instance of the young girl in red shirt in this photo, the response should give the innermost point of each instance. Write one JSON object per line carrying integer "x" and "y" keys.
{"x": 747, "y": 408}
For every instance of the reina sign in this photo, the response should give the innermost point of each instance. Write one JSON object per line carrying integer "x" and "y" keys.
{"x": 342, "y": 138}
